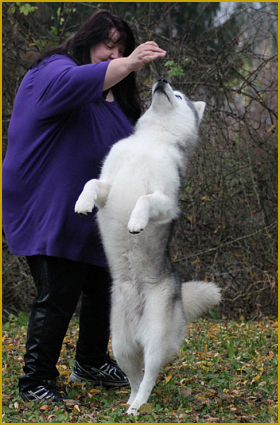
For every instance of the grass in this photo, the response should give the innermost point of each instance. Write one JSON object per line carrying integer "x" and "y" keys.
{"x": 226, "y": 372}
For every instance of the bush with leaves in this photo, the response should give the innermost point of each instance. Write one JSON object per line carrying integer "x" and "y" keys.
{"x": 225, "y": 54}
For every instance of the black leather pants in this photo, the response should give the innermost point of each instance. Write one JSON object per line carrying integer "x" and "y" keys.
{"x": 59, "y": 283}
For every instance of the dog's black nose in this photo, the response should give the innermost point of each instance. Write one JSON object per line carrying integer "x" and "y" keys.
{"x": 161, "y": 80}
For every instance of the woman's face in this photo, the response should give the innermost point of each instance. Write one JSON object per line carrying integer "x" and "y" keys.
{"x": 108, "y": 49}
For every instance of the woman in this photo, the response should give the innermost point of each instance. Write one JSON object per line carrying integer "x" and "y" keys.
{"x": 72, "y": 105}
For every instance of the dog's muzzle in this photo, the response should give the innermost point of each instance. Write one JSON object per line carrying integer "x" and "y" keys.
{"x": 160, "y": 85}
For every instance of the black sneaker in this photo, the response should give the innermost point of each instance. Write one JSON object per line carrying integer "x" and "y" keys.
{"x": 108, "y": 375}
{"x": 46, "y": 391}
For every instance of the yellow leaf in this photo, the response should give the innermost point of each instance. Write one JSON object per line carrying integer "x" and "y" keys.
{"x": 191, "y": 219}
{"x": 256, "y": 378}
{"x": 271, "y": 128}
{"x": 94, "y": 391}
{"x": 184, "y": 381}
{"x": 215, "y": 328}
{"x": 167, "y": 379}
{"x": 272, "y": 410}
{"x": 175, "y": 256}
{"x": 196, "y": 261}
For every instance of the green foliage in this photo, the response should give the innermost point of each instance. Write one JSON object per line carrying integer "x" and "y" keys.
{"x": 225, "y": 372}
{"x": 20, "y": 320}
{"x": 174, "y": 70}
{"x": 24, "y": 8}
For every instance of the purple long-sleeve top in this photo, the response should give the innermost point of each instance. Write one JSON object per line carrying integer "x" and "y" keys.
{"x": 60, "y": 131}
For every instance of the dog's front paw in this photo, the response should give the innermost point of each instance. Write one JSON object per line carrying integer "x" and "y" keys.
{"x": 84, "y": 204}
{"x": 136, "y": 224}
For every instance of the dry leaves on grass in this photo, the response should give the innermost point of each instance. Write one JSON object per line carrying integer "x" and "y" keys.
{"x": 225, "y": 372}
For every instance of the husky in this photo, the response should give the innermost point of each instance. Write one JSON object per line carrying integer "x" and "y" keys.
{"x": 137, "y": 196}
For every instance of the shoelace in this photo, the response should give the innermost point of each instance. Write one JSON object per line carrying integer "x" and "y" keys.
{"x": 50, "y": 391}
{"x": 40, "y": 393}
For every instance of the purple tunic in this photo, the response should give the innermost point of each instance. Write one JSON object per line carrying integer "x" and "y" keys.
{"x": 60, "y": 131}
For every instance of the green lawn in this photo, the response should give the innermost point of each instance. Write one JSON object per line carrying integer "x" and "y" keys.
{"x": 226, "y": 372}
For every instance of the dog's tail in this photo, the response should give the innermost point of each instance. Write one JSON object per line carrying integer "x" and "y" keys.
{"x": 198, "y": 297}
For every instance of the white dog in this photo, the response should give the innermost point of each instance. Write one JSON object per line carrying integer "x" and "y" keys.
{"x": 137, "y": 197}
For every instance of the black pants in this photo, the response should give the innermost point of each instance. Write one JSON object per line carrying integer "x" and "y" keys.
{"x": 59, "y": 283}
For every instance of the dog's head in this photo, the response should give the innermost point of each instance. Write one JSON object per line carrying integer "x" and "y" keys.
{"x": 166, "y": 100}
{"x": 172, "y": 117}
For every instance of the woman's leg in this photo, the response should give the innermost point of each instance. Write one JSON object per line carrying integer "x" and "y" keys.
{"x": 94, "y": 330}
{"x": 93, "y": 363}
{"x": 58, "y": 282}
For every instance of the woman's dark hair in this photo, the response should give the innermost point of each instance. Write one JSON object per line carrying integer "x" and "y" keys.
{"x": 95, "y": 30}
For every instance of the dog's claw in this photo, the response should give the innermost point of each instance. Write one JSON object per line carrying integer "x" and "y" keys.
{"x": 135, "y": 232}
{"x": 136, "y": 226}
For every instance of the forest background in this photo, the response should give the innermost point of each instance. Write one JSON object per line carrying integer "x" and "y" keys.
{"x": 226, "y": 55}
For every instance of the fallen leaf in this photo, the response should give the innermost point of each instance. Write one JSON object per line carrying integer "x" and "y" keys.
{"x": 65, "y": 372}
{"x": 71, "y": 402}
{"x": 76, "y": 408}
{"x": 94, "y": 391}
{"x": 169, "y": 377}
{"x": 271, "y": 128}
{"x": 185, "y": 381}
{"x": 186, "y": 391}
{"x": 146, "y": 409}
{"x": 45, "y": 407}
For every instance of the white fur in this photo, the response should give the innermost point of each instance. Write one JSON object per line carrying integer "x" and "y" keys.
{"x": 137, "y": 197}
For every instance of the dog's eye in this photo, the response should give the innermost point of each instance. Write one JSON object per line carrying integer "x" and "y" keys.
{"x": 179, "y": 97}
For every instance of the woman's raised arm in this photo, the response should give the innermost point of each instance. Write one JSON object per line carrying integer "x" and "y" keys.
{"x": 119, "y": 68}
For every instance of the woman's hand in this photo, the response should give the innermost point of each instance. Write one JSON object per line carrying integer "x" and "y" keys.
{"x": 119, "y": 68}
{"x": 143, "y": 54}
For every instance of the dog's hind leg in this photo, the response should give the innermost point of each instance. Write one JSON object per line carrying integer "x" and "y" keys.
{"x": 153, "y": 364}
{"x": 133, "y": 367}
{"x": 156, "y": 206}
{"x": 130, "y": 361}
{"x": 163, "y": 336}
{"x": 95, "y": 192}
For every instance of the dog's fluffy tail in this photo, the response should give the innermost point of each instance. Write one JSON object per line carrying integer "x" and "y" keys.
{"x": 199, "y": 296}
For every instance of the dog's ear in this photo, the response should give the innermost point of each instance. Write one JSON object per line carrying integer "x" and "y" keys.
{"x": 199, "y": 106}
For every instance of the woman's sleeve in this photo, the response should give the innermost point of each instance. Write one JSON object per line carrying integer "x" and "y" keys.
{"x": 63, "y": 86}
